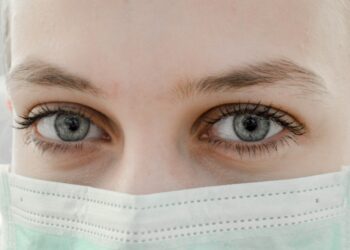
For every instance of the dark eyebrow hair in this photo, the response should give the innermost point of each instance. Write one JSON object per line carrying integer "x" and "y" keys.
{"x": 261, "y": 74}
{"x": 45, "y": 74}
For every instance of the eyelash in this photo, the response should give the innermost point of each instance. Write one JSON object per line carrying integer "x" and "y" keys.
{"x": 276, "y": 115}
{"x": 45, "y": 111}
{"x": 223, "y": 111}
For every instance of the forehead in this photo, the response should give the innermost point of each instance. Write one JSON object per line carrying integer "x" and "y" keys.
{"x": 154, "y": 43}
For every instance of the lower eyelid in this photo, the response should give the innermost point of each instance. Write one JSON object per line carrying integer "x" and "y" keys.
{"x": 32, "y": 137}
{"x": 233, "y": 149}
{"x": 253, "y": 152}
{"x": 105, "y": 138}
{"x": 45, "y": 146}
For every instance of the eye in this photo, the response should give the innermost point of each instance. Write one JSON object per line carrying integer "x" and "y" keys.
{"x": 68, "y": 127}
{"x": 63, "y": 127}
{"x": 247, "y": 128}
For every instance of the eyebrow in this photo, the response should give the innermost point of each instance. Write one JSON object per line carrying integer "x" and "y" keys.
{"x": 279, "y": 72}
{"x": 47, "y": 75}
{"x": 282, "y": 72}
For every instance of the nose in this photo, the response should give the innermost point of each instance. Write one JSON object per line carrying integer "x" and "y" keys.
{"x": 151, "y": 165}
{"x": 153, "y": 162}
{"x": 156, "y": 153}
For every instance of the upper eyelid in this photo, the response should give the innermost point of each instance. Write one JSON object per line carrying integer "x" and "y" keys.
{"x": 295, "y": 125}
{"x": 95, "y": 116}
{"x": 256, "y": 106}
{"x": 112, "y": 128}
{"x": 45, "y": 111}
{"x": 82, "y": 111}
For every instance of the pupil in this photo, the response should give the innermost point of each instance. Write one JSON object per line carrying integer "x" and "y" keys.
{"x": 250, "y": 124}
{"x": 251, "y": 128}
{"x": 70, "y": 127}
{"x": 73, "y": 123}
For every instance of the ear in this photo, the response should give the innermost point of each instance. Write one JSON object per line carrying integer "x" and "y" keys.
{"x": 9, "y": 105}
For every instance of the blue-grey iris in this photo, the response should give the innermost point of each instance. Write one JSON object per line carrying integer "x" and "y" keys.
{"x": 71, "y": 127}
{"x": 249, "y": 127}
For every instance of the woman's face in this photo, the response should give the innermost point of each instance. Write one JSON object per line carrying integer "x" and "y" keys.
{"x": 153, "y": 96}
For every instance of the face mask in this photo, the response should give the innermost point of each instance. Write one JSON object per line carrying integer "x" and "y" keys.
{"x": 301, "y": 213}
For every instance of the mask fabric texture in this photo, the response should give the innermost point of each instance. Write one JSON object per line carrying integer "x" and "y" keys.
{"x": 302, "y": 213}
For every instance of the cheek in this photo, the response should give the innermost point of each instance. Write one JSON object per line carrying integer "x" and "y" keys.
{"x": 24, "y": 161}
{"x": 29, "y": 161}
{"x": 326, "y": 152}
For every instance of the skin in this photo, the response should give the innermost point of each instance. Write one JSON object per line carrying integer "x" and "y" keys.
{"x": 137, "y": 52}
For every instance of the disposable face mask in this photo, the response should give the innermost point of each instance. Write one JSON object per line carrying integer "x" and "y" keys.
{"x": 301, "y": 213}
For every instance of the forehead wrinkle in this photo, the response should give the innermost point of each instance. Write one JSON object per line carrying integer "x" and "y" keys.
{"x": 44, "y": 74}
{"x": 275, "y": 73}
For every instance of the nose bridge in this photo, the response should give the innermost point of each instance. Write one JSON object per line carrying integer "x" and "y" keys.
{"x": 151, "y": 160}
{"x": 149, "y": 164}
